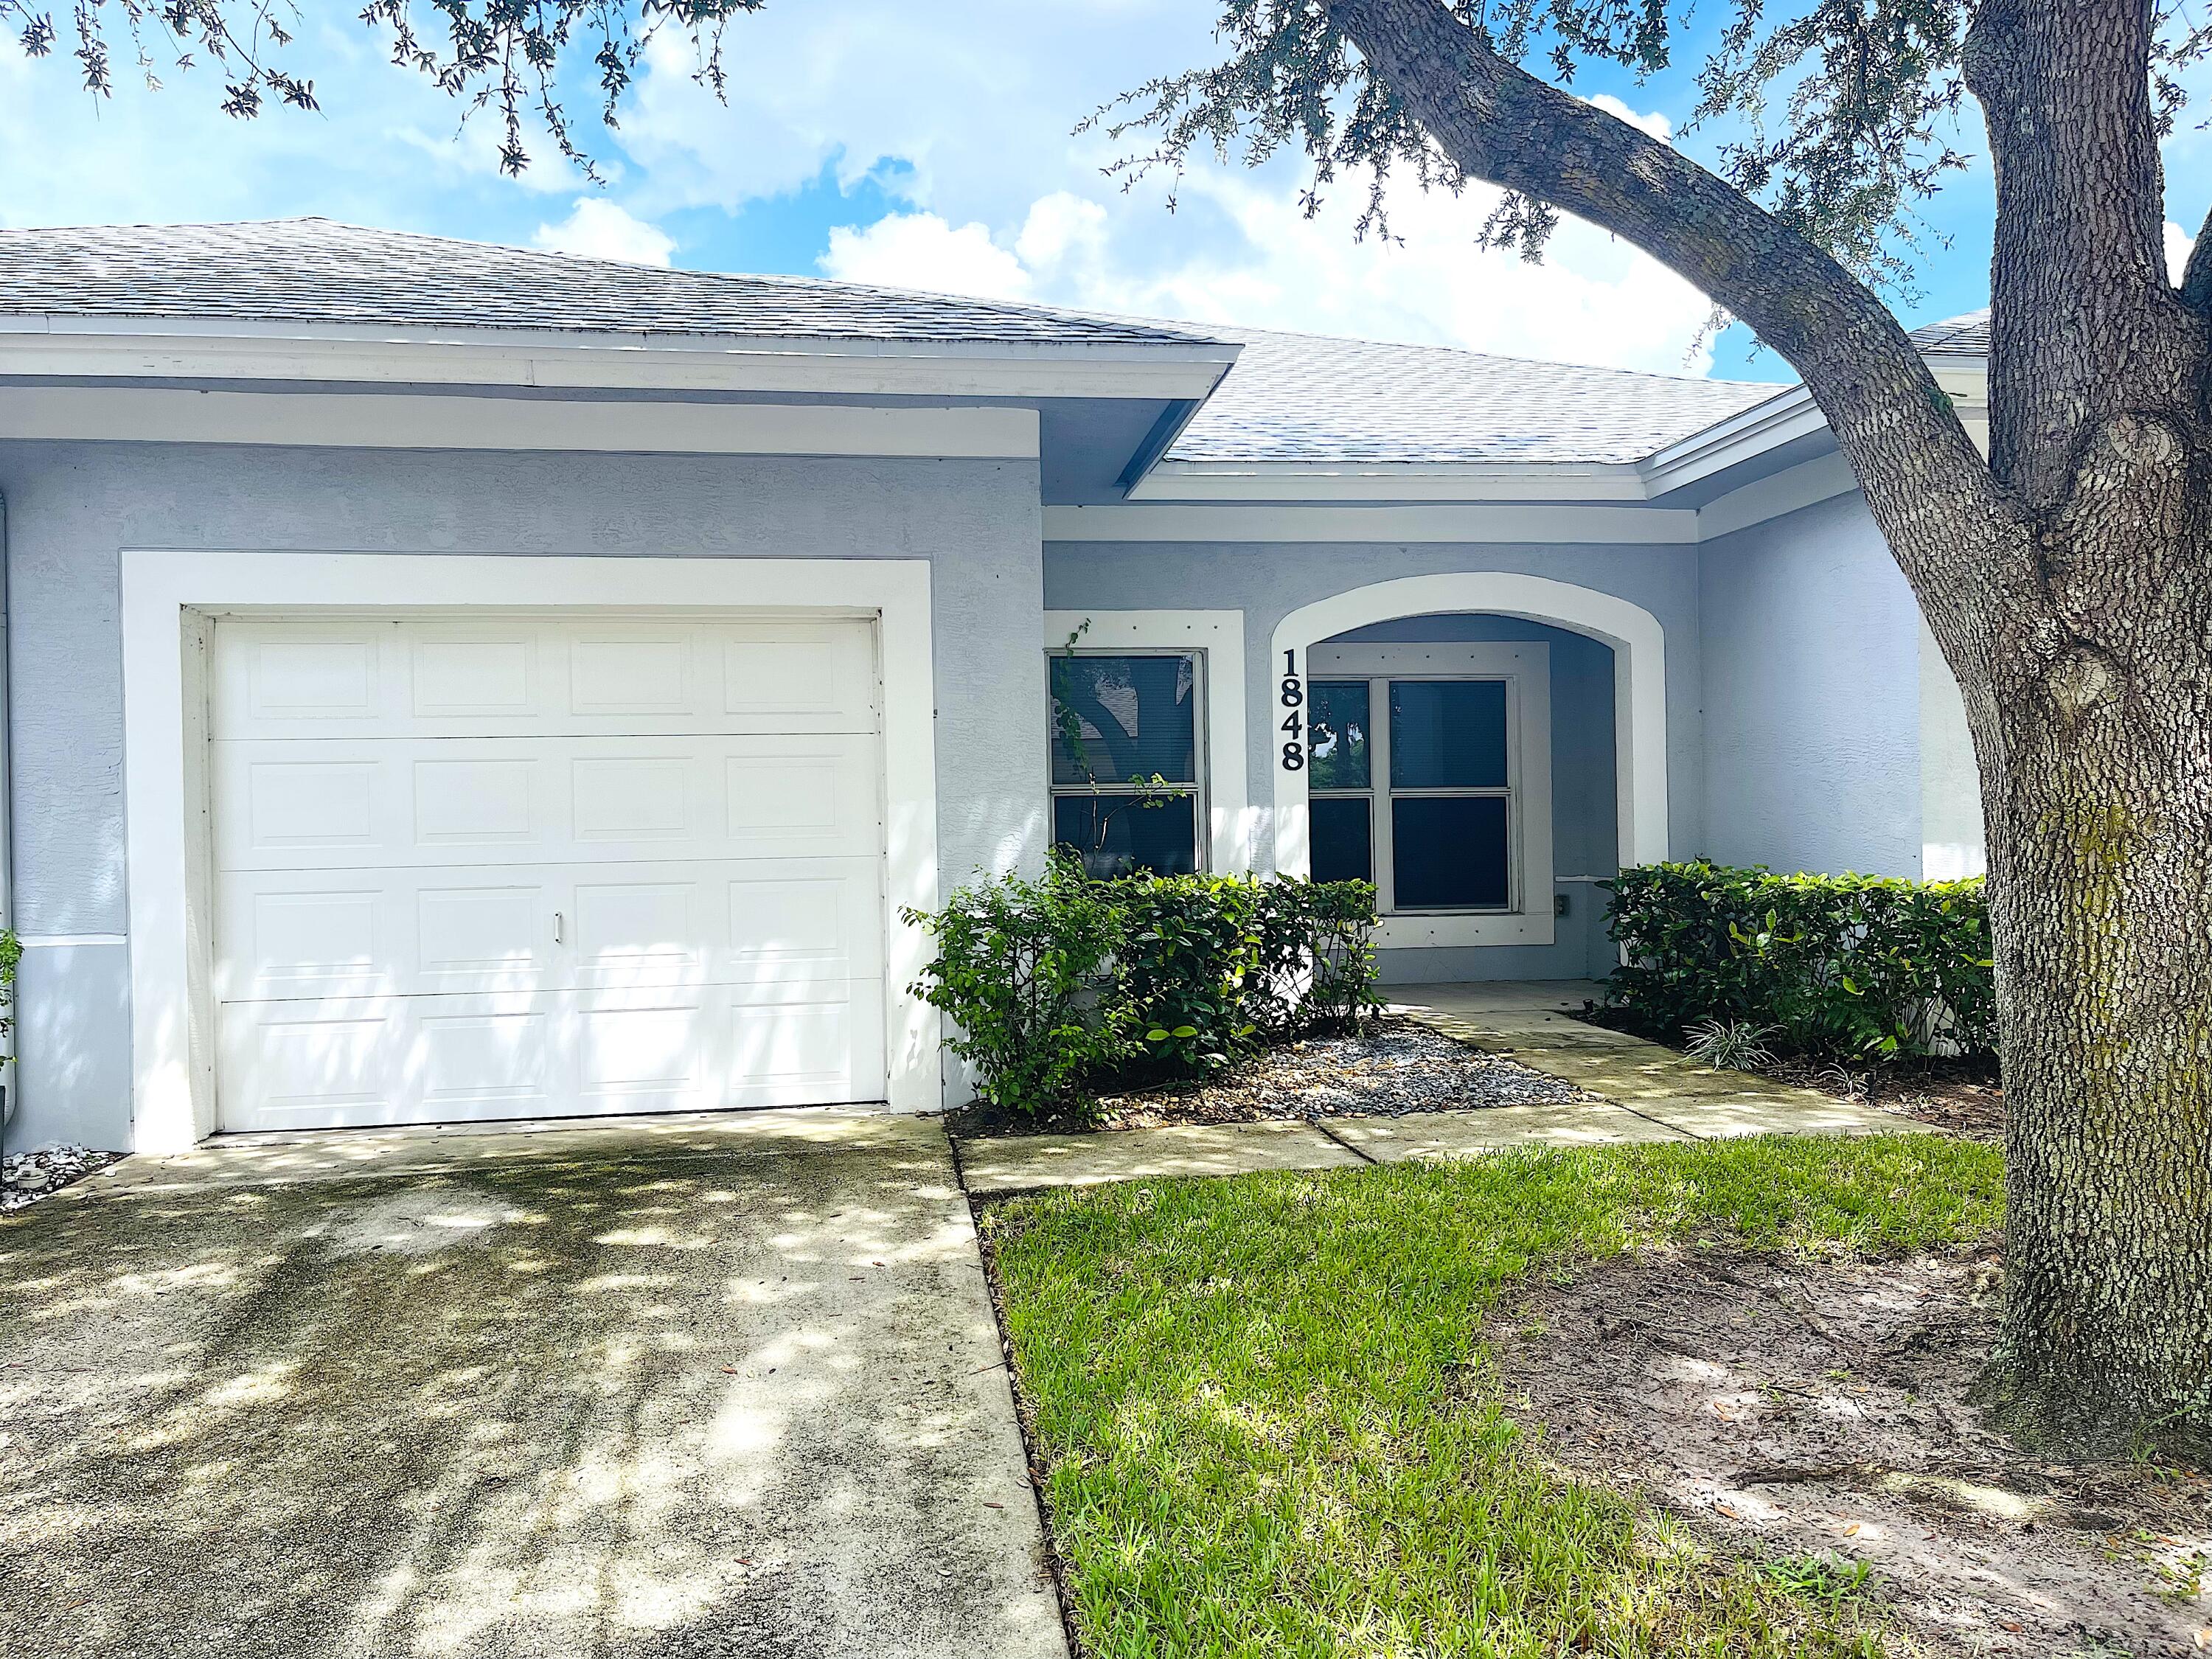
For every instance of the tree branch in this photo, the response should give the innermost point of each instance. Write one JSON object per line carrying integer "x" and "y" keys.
{"x": 1922, "y": 473}
{"x": 2083, "y": 324}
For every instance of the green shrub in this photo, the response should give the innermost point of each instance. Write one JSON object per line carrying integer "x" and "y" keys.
{"x": 1018, "y": 966}
{"x": 1832, "y": 966}
{"x": 1062, "y": 982}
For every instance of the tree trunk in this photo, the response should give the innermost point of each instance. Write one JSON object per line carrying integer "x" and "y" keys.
{"x": 2070, "y": 586}
{"x": 2097, "y": 785}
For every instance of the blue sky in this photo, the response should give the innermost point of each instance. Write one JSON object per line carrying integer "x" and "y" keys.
{"x": 875, "y": 139}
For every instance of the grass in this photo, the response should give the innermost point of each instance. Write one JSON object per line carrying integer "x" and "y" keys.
{"x": 1270, "y": 1427}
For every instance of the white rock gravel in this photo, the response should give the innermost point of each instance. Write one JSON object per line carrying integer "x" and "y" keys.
{"x": 27, "y": 1177}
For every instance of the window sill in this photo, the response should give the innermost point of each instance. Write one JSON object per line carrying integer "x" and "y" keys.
{"x": 1402, "y": 932}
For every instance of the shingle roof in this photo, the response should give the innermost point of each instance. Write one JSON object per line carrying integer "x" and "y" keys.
{"x": 1298, "y": 397}
{"x": 1955, "y": 337}
{"x": 1290, "y": 399}
{"x": 315, "y": 270}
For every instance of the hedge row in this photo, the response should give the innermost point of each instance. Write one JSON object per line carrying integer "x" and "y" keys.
{"x": 1062, "y": 983}
{"x": 1828, "y": 966}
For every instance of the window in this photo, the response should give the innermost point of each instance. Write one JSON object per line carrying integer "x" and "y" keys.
{"x": 1414, "y": 778}
{"x": 1127, "y": 790}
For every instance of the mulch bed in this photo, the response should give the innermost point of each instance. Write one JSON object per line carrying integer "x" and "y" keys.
{"x": 27, "y": 1177}
{"x": 1788, "y": 1408}
{"x": 1961, "y": 1097}
{"x": 1388, "y": 1071}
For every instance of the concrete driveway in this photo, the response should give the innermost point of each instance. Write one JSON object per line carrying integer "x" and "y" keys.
{"x": 723, "y": 1386}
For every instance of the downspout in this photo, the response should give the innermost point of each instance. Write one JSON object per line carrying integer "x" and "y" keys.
{"x": 7, "y": 834}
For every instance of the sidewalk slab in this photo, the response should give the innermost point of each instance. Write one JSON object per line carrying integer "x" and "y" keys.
{"x": 1495, "y": 1128}
{"x": 1020, "y": 1163}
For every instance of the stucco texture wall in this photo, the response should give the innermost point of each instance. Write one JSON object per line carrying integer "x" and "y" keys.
{"x": 72, "y": 508}
{"x": 1812, "y": 696}
{"x": 1268, "y": 581}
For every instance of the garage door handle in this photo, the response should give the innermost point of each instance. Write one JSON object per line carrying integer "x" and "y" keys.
{"x": 556, "y": 927}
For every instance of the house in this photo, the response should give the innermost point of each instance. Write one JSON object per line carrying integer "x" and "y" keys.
{"x": 452, "y": 682}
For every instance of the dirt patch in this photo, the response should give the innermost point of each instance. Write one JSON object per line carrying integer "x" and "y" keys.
{"x": 1960, "y": 1097}
{"x": 1793, "y": 1410}
{"x": 1394, "y": 1069}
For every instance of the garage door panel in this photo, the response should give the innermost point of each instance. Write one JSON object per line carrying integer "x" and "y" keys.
{"x": 322, "y": 1064}
{"x": 432, "y": 931}
{"x": 364, "y": 803}
{"x": 508, "y": 867}
{"x": 547, "y": 676}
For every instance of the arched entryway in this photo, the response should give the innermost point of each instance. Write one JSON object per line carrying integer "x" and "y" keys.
{"x": 1634, "y": 635}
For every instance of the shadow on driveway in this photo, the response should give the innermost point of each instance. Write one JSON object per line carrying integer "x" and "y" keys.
{"x": 727, "y": 1387}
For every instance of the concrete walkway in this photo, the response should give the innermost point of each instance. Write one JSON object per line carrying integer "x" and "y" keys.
{"x": 1646, "y": 1093}
{"x": 713, "y": 1386}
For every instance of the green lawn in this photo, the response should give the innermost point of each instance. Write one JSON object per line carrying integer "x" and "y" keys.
{"x": 1256, "y": 1399}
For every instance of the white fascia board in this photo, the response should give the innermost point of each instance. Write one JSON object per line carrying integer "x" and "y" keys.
{"x": 1817, "y": 480}
{"x": 1385, "y": 482}
{"x": 111, "y": 349}
{"x": 400, "y": 421}
{"x": 1790, "y": 415}
{"x": 1322, "y": 522}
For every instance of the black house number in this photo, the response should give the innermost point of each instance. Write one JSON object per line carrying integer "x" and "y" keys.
{"x": 1293, "y": 699}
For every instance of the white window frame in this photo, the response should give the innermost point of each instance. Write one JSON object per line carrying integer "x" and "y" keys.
{"x": 167, "y": 593}
{"x": 1218, "y": 638}
{"x": 1200, "y": 817}
{"x": 1528, "y": 916}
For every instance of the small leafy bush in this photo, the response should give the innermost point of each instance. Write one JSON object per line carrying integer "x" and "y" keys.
{"x": 1019, "y": 965}
{"x": 1833, "y": 966}
{"x": 1057, "y": 983}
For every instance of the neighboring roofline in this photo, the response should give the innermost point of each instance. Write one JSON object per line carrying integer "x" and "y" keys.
{"x": 1390, "y": 481}
{"x": 1786, "y": 417}
{"x": 107, "y": 348}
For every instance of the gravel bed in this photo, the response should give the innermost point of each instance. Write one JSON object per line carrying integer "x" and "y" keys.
{"x": 27, "y": 1177}
{"x": 1389, "y": 1071}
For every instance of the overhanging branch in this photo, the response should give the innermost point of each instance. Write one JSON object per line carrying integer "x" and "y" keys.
{"x": 1915, "y": 462}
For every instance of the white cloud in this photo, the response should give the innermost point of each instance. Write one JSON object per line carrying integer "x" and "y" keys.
{"x": 1595, "y": 300}
{"x": 919, "y": 250}
{"x": 2177, "y": 244}
{"x": 600, "y": 229}
{"x": 1652, "y": 122}
{"x": 971, "y": 127}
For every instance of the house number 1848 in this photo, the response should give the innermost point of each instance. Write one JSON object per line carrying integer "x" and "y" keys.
{"x": 1294, "y": 721}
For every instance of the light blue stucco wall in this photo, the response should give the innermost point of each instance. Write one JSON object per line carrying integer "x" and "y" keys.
{"x": 1268, "y": 580}
{"x": 1812, "y": 696}
{"x": 71, "y": 508}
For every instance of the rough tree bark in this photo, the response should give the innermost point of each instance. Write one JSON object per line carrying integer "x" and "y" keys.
{"x": 2069, "y": 579}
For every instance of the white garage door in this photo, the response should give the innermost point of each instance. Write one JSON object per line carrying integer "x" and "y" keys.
{"x": 532, "y": 866}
